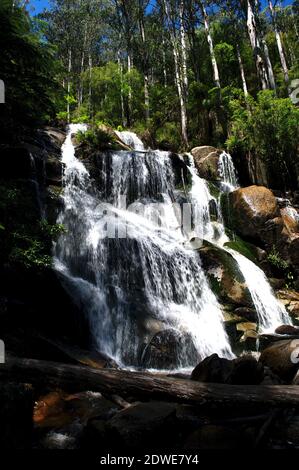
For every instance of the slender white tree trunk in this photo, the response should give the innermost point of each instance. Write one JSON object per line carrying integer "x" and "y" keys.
{"x": 90, "y": 82}
{"x": 164, "y": 62}
{"x": 271, "y": 78}
{"x": 211, "y": 45}
{"x": 256, "y": 46}
{"x": 130, "y": 90}
{"x": 279, "y": 44}
{"x": 178, "y": 78}
{"x": 242, "y": 72}
{"x": 145, "y": 72}
{"x": 183, "y": 48}
{"x": 69, "y": 84}
{"x": 122, "y": 105}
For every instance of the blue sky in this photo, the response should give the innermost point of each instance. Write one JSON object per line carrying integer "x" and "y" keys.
{"x": 36, "y": 6}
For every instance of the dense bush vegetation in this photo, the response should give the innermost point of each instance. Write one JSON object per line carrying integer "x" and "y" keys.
{"x": 267, "y": 127}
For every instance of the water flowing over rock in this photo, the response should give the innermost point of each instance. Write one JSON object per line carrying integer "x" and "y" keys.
{"x": 112, "y": 257}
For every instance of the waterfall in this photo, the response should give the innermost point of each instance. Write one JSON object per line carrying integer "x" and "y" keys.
{"x": 126, "y": 261}
{"x": 131, "y": 139}
{"x": 227, "y": 172}
{"x": 271, "y": 313}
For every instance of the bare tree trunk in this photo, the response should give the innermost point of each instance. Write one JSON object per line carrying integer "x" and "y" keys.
{"x": 69, "y": 84}
{"x": 120, "y": 68}
{"x": 256, "y": 46}
{"x": 164, "y": 62}
{"x": 242, "y": 73}
{"x": 178, "y": 78}
{"x": 271, "y": 78}
{"x": 130, "y": 91}
{"x": 211, "y": 45}
{"x": 279, "y": 45}
{"x": 90, "y": 83}
{"x": 145, "y": 70}
{"x": 80, "y": 100}
{"x": 147, "y": 386}
{"x": 183, "y": 48}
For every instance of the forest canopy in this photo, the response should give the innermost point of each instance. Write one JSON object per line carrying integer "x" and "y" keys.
{"x": 176, "y": 70}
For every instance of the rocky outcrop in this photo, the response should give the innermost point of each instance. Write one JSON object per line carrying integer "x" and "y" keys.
{"x": 225, "y": 278}
{"x": 206, "y": 160}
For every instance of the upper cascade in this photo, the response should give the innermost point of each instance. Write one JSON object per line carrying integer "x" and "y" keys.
{"x": 131, "y": 139}
{"x": 227, "y": 172}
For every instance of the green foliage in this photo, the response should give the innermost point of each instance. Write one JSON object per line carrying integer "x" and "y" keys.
{"x": 168, "y": 136}
{"x": 24, "y": 239}
{"x": 268, "y": 128}
{"x": 97, "y": 139}
{"x": 28, "y": 69}
{"x": 281, "y": 267}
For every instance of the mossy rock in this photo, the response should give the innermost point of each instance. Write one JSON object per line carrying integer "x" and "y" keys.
{"x": 225, "y": 277}
{"x": 244, "y": 248}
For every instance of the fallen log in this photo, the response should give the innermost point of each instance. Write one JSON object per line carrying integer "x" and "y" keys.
{"x": 145, "y": 385}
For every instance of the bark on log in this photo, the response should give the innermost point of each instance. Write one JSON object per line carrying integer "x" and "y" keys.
{"x": 144, "y": 385}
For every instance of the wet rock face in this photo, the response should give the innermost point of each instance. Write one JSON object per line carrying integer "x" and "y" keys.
{"x": 225, "y": 278}
{"x": 165, "y": 347}
{"x": 206, "y": 160}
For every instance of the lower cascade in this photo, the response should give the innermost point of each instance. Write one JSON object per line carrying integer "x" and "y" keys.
{"x": 126, "y": 259}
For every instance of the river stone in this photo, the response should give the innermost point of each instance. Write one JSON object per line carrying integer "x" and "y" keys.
{"x": 282, "y": 358}
{"x": 287, "y": 330}
{"x": 226, "y": 279}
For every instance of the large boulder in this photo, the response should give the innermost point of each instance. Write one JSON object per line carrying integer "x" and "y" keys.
{"x": 206, "y": 160}
{"x": 250, "y": 209}
{"x": 244, "y": 370}
{"x": 166, "y": 348}
{"x": 282, "y": 358}
{"x": 225, "y": 277}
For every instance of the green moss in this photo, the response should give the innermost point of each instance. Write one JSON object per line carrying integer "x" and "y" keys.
{"x": 245, "y": 248}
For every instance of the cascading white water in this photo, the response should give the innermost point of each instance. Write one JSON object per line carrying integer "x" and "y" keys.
{"x": 131, "y": 139}
{"x": 227, "y": 172}
{"x": 128, "y": 267}
{"x": 271, "y": 313}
